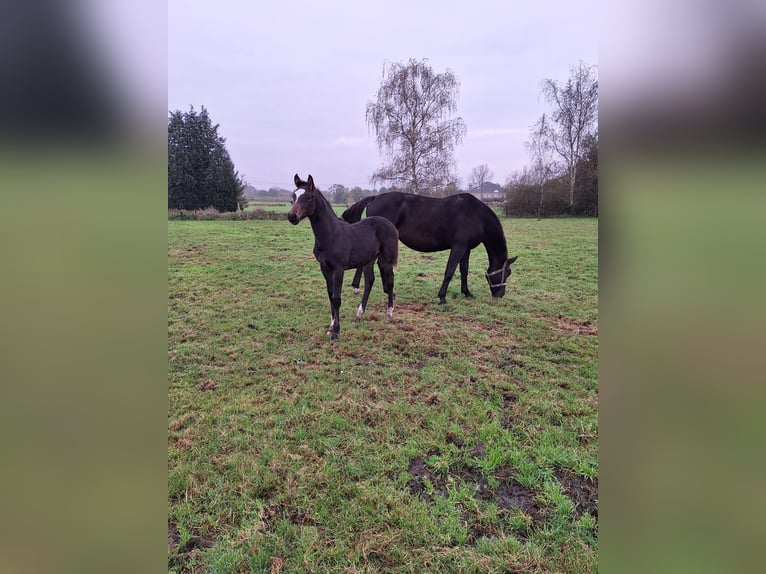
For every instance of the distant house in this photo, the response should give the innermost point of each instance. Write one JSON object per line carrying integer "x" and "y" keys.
{"x": 489, "y": 191}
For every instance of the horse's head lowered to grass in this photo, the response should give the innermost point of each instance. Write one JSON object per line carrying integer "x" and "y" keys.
{"x": 498, "y": 278}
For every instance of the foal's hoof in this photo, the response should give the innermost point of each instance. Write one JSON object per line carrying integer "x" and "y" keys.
{"x": 468, "y": 295}
{"x": 442, "y": 301}
{"x": 356, "y": 290}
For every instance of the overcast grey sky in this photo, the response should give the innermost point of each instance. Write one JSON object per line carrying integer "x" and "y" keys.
{"x": 288, "y": 81}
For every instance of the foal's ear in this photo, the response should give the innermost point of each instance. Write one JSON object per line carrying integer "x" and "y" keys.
{"x": 311, "y": 183}
{"x": 512, "y": 259}
{"x": 297, "y": 180}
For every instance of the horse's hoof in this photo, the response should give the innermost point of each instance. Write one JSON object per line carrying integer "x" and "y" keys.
{"x": 356, "y": 290}
{"x": 442, "y": 301}
{"x": 468, "y": 295}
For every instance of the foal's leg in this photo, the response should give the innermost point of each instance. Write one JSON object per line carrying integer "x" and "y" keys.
{"x": 337, "y": 285}
{"x": 387, "y": 277}
{"x": 369, "y": 279}
{"x": 464, "y": 274}
{"x": 328, "y": 279}
{"x": 355, "y": 280}
{"x": 455, "y": 256}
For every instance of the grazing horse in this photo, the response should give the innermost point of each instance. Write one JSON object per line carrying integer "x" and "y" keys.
{"x": 458, "y": 223}
{"x": 339, "y": 245}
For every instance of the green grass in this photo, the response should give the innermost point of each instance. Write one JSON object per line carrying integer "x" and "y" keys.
{"x": 283, "y": 207}
{"x": 404, "y": 446}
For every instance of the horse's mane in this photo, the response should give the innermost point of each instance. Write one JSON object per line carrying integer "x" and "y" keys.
{"x": 496, "y": 234}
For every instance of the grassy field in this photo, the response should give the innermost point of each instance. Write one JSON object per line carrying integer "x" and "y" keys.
{"x": 455, "y": 438}
{"x": 284, "y": 207}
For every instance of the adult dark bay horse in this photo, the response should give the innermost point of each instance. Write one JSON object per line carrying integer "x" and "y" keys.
{"x": 458, "y": 223}
{"x": 339, "y": 245}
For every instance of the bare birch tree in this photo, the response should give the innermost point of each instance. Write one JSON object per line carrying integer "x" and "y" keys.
{"x": 541, "y": 151}
{"x": 479, "y": 176}
{"x": 413, "y": 127}
{"x": 574, "y": 115}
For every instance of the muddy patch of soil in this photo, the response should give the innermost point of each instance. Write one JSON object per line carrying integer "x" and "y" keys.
{"x": 507, "y": 495}
{"x": 580, "y": 490}
{"x": 179, "y": 557}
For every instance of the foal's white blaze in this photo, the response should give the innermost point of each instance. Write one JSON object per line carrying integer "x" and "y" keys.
{"x": 359, "y": 311}
{"x": 298, "y": 193}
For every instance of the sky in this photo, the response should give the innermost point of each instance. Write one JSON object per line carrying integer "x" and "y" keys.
{"x": 288, "y": 82}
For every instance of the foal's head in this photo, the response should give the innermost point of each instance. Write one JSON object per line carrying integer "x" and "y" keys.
{"x": 304, "y": 200}
{"x": 498, "y": 278}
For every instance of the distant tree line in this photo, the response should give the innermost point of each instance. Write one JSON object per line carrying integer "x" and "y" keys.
{"x": 527, "y": 196}
{"x": 201, "y": 174}
{"x": 562, "y": 177}
{"x": 412, "y": 117}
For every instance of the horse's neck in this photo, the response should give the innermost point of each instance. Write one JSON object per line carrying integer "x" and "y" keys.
{"x": 494, "y": 243}
{"x": 323, "y": 221}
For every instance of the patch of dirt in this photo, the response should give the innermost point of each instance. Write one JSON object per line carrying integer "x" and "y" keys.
{"x": 181, "y": 422}
{"x": 563, "y": 324}
{"x": 478, "y": 450}
{"x": 477, "y": 528}
{"x": 409, "y": 307}
{"x": 580, "y": 490}
{"x": 508, "y": 495}
{"x": 173, "y": 536}
{"x": 272, "y": 514}
{"x": 508, "y": 398}
{"x": 453, "y": 439}
{"x": 509, "y": 415}
{"x": 179, "y": 557}
{"x": 208, "y": 385}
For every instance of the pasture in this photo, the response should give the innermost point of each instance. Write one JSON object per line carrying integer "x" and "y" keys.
{"x": 454, "y": 438}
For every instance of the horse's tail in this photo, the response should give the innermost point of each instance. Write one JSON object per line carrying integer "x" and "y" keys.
{"x": 389, "y": 244}
{"x": 354, "y": 213}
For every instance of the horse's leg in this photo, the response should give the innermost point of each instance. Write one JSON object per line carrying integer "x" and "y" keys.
{"x": 328, "y": 279}
{"x": 464, "y": 274}
{"x": 455, "y": 255}
{"x": 387, "y": 277}
{"x": 356, "y": 279}
{"x": 369, "y": 279}
{"x": 337, "y": 285}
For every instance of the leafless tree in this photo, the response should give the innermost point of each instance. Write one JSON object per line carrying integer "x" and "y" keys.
{"x": 479, "y": 176}
{"x": 413, "y": 127}
{"x": 541, "y": 151}
{"x": 575, "y": 111}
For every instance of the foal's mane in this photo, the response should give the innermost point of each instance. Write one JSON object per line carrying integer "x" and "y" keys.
{"x": 326, "y": 202}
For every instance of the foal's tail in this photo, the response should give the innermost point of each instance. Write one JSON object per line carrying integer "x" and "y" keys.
{"x": 354, "y": 213}
{"x": 388, "y": 236}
